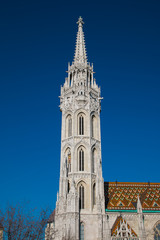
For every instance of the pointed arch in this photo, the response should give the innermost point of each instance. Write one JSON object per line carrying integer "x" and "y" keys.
{"x": 86, "y": 117}
{"x": 81, "y": 188}
{"x": 94, "y": 194}
{"x": 79, "y": 182}
{"x": 81, "y": 123}
{"x": 81, "y": 159}
{"x": 94, "y": 153}
{"x": 87, "y": 155}
{"x": 82, "y": 143}
{"x": 93, "y": 126}
{"x": 156, "y": 231}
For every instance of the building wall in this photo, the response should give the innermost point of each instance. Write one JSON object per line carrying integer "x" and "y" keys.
{"x": 150, "y": 220}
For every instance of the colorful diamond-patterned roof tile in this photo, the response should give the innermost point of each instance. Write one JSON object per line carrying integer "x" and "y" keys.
{"x": 123, "y": 195}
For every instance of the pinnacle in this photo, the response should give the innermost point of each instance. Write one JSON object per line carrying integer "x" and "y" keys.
{"x": 80, "y": 51}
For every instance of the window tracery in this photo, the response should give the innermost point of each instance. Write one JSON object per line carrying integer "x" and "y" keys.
{"x": 123, "y": 231}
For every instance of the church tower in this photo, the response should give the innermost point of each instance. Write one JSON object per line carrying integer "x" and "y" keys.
{"x": 129, "y": 210}
{"x": 80, "y": 206}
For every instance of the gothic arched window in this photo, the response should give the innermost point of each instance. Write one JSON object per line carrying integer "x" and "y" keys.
{"x": 68, "y": 159}
{"x": 69, "y": 162}
{"x": 81, "y": 160}
{"x": 69, "y": 126}
{"x": 157, "y": 231}
{"x": 93, "y": 126}
{"x": 94, "y": 194}
{"x": 93, "y": 160}
{"x": 81, "y": 125}
{"x": 81, "y": 197}
{"x": 81, "y": 231}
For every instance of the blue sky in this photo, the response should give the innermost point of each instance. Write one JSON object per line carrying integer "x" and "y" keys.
{"x": 37, "y": 42}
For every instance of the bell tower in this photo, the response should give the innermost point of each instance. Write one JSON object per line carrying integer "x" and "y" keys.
{"x": 80, "y": 203}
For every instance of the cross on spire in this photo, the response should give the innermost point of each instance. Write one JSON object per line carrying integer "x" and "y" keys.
{"x": 80, "y": 22}
{"x": 80, "y": 52}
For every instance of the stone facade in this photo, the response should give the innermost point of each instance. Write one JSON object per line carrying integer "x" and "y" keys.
{"x": 81, "y": 209}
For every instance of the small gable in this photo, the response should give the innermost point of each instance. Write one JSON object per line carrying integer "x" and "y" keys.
{"x": 122, "y": 229}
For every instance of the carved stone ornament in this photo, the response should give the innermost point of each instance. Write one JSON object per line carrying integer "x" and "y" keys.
{"x": 94, "y": 105}
{"x": 93, "y": 142}
{"x": 81, "y": 101}
{"x": 68, "y": 103}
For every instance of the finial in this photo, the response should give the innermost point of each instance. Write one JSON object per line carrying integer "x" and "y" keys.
{"x": 80, "y": 22}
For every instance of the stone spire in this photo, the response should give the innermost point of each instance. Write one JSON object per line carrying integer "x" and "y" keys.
{"x": 142, "y": 234}
{"x": 80, "y": 52}
{"x": 139, "y": 206}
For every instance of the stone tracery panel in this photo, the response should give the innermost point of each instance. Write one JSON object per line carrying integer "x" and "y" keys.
{"x": 122, "y": 231}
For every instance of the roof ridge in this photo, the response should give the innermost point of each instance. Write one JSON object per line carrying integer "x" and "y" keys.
{"x": 134, "y": 183}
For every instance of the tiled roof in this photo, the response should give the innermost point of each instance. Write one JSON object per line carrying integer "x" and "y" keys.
{"x": 123, "y": 195}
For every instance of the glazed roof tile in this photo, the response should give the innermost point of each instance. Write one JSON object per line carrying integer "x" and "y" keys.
{"x": 123, "y": 195}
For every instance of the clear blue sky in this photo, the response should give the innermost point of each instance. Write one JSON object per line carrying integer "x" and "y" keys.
{"x": 37, "y": 42}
